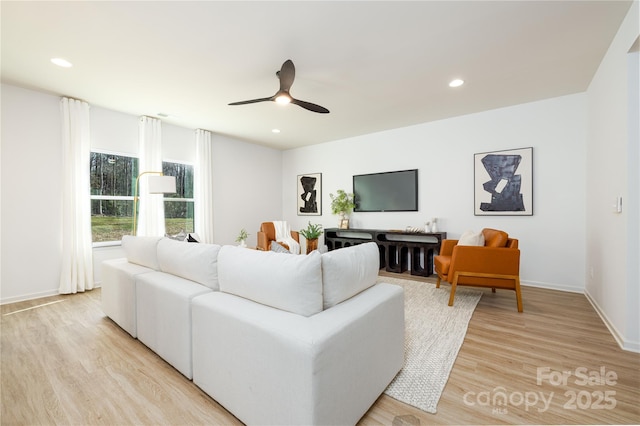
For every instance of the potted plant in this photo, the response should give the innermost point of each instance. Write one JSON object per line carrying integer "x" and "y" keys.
{"x": 311, "y": 234}
{"x": 342, "y": 204}
{"x": 242, "y": 238}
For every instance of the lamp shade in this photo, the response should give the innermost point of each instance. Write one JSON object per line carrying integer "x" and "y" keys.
{"x": 162, "y": 184}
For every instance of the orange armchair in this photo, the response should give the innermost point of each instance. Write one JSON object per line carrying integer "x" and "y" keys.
{"x": 495, "y": 265}
{"x": 267, "y": 234}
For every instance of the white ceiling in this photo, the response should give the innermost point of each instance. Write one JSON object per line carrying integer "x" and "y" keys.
{"x": 375, "y": 65}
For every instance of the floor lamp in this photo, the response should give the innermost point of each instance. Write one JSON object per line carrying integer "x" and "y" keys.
{"x": 159, "y": 184}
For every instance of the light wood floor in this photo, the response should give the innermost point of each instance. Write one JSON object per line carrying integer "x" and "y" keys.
{"x": 63, "y": 362}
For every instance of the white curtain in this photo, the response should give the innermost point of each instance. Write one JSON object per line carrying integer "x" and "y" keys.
{"x": 203, "y": 186}
{"x": 150, "y": 206}
{"x": 76, "y": 273}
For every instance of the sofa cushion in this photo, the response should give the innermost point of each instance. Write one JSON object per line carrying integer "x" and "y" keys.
{"x": 195, "y": 262}
{"x": 348, "y": 271}
{"x": 141, "y": 250}
{"x": 291, "y": 283}
{"x": 471, "y": 238}
{"x": 495, "y": 238}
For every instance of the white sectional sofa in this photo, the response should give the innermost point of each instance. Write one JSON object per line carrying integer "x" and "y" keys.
{"x": 274, "y": 338}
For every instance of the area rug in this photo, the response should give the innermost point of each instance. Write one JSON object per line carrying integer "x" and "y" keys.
{"x": 434, "y": 333}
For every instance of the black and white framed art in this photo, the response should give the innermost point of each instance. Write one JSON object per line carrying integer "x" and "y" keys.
{"x": 503, "y": 183}
{"x": 309, "y": 194}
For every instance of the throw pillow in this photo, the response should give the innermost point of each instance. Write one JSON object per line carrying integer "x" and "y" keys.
{"x": 471, "y": 238}
{"x": 180, "y": 236}
{"x": 278, "y": 248}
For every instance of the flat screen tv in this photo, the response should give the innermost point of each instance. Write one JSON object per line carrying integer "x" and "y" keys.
{"x": 386, "y": 192}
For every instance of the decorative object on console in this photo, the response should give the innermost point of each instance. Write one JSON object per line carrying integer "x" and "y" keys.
{"x": 311, "y": 233}
{"x": 342, "y": 204}
{"x": 242, "y": 238}
{"x": 434, "y": 225}
{"x": 310, "y": 194}
{"x": 160, "y": 184}
{"x": 415, "y": 230}
{"x": 503, "y": 183}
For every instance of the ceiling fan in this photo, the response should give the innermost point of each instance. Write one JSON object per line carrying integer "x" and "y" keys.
{"x": 286, "y": 75}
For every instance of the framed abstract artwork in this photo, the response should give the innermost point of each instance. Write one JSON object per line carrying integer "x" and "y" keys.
{"x": 503, "y": 183}
{"x": 309, "y": 194}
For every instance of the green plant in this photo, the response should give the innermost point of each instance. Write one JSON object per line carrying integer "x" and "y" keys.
{"x": 242, "y": 236}
{"x": 342, "y": 203}
{"x": 312, "y": 231}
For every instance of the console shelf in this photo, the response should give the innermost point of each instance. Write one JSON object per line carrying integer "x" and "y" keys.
{"x": 397, "y": 248}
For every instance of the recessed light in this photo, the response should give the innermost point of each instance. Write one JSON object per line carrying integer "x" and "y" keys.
{"x": 275, "y": 130}
{"x": 61, "y": 62}
{"x": 456, "y": 83}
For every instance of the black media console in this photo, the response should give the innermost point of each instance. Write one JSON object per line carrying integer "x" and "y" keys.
{"x": 397, "y": 248}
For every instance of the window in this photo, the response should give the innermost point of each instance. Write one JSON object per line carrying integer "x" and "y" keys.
{"x": 113, "y": 178}
{"x": 178, "y": 207}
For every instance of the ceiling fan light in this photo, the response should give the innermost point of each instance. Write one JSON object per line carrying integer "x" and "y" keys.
{"x": 283, "y": 99}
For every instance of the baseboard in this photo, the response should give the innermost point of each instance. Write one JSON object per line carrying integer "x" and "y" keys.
{"x": 32, "y": 296}
{"x": 619, "y": 338}
{"x": 29, "y": 296}
{"x": 552, "y": 286}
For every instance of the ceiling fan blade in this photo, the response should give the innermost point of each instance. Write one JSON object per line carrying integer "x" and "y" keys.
{"x": 252, "y": 101}
{"x": 310, "y": 106}
{"x": 286, "y": 75}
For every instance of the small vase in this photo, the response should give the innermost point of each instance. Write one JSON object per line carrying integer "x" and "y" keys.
{"x": 434, "y": 227}
{"x": 243, "y": 243}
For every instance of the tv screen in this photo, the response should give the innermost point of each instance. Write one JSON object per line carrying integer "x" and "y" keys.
{"x": 386, "y": 192}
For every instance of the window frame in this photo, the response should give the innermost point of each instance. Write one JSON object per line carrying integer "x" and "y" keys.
{"x": 111, "y": 197}
{"x": 187, "y": 200}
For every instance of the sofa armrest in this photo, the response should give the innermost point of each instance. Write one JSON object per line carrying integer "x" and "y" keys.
{"x": 335, "y": 363}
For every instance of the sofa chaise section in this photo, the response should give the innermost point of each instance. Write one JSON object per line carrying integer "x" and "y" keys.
{"x": 324, "y": 362}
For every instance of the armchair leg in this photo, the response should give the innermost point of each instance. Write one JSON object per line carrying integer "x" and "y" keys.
{"x": 518, "y": 294}
{"x": 493, "y": 290}
{"x": 438, "y": 282}
{"x": 454, "y": 284}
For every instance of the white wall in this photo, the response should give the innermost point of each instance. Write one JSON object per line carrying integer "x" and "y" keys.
{"x": 443, "y": 152}
{"x": 31, "y": 192}
{"x": 248, "y": 192}
{"x": 247, "y": 185}
{"x": 612, "y": 252}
